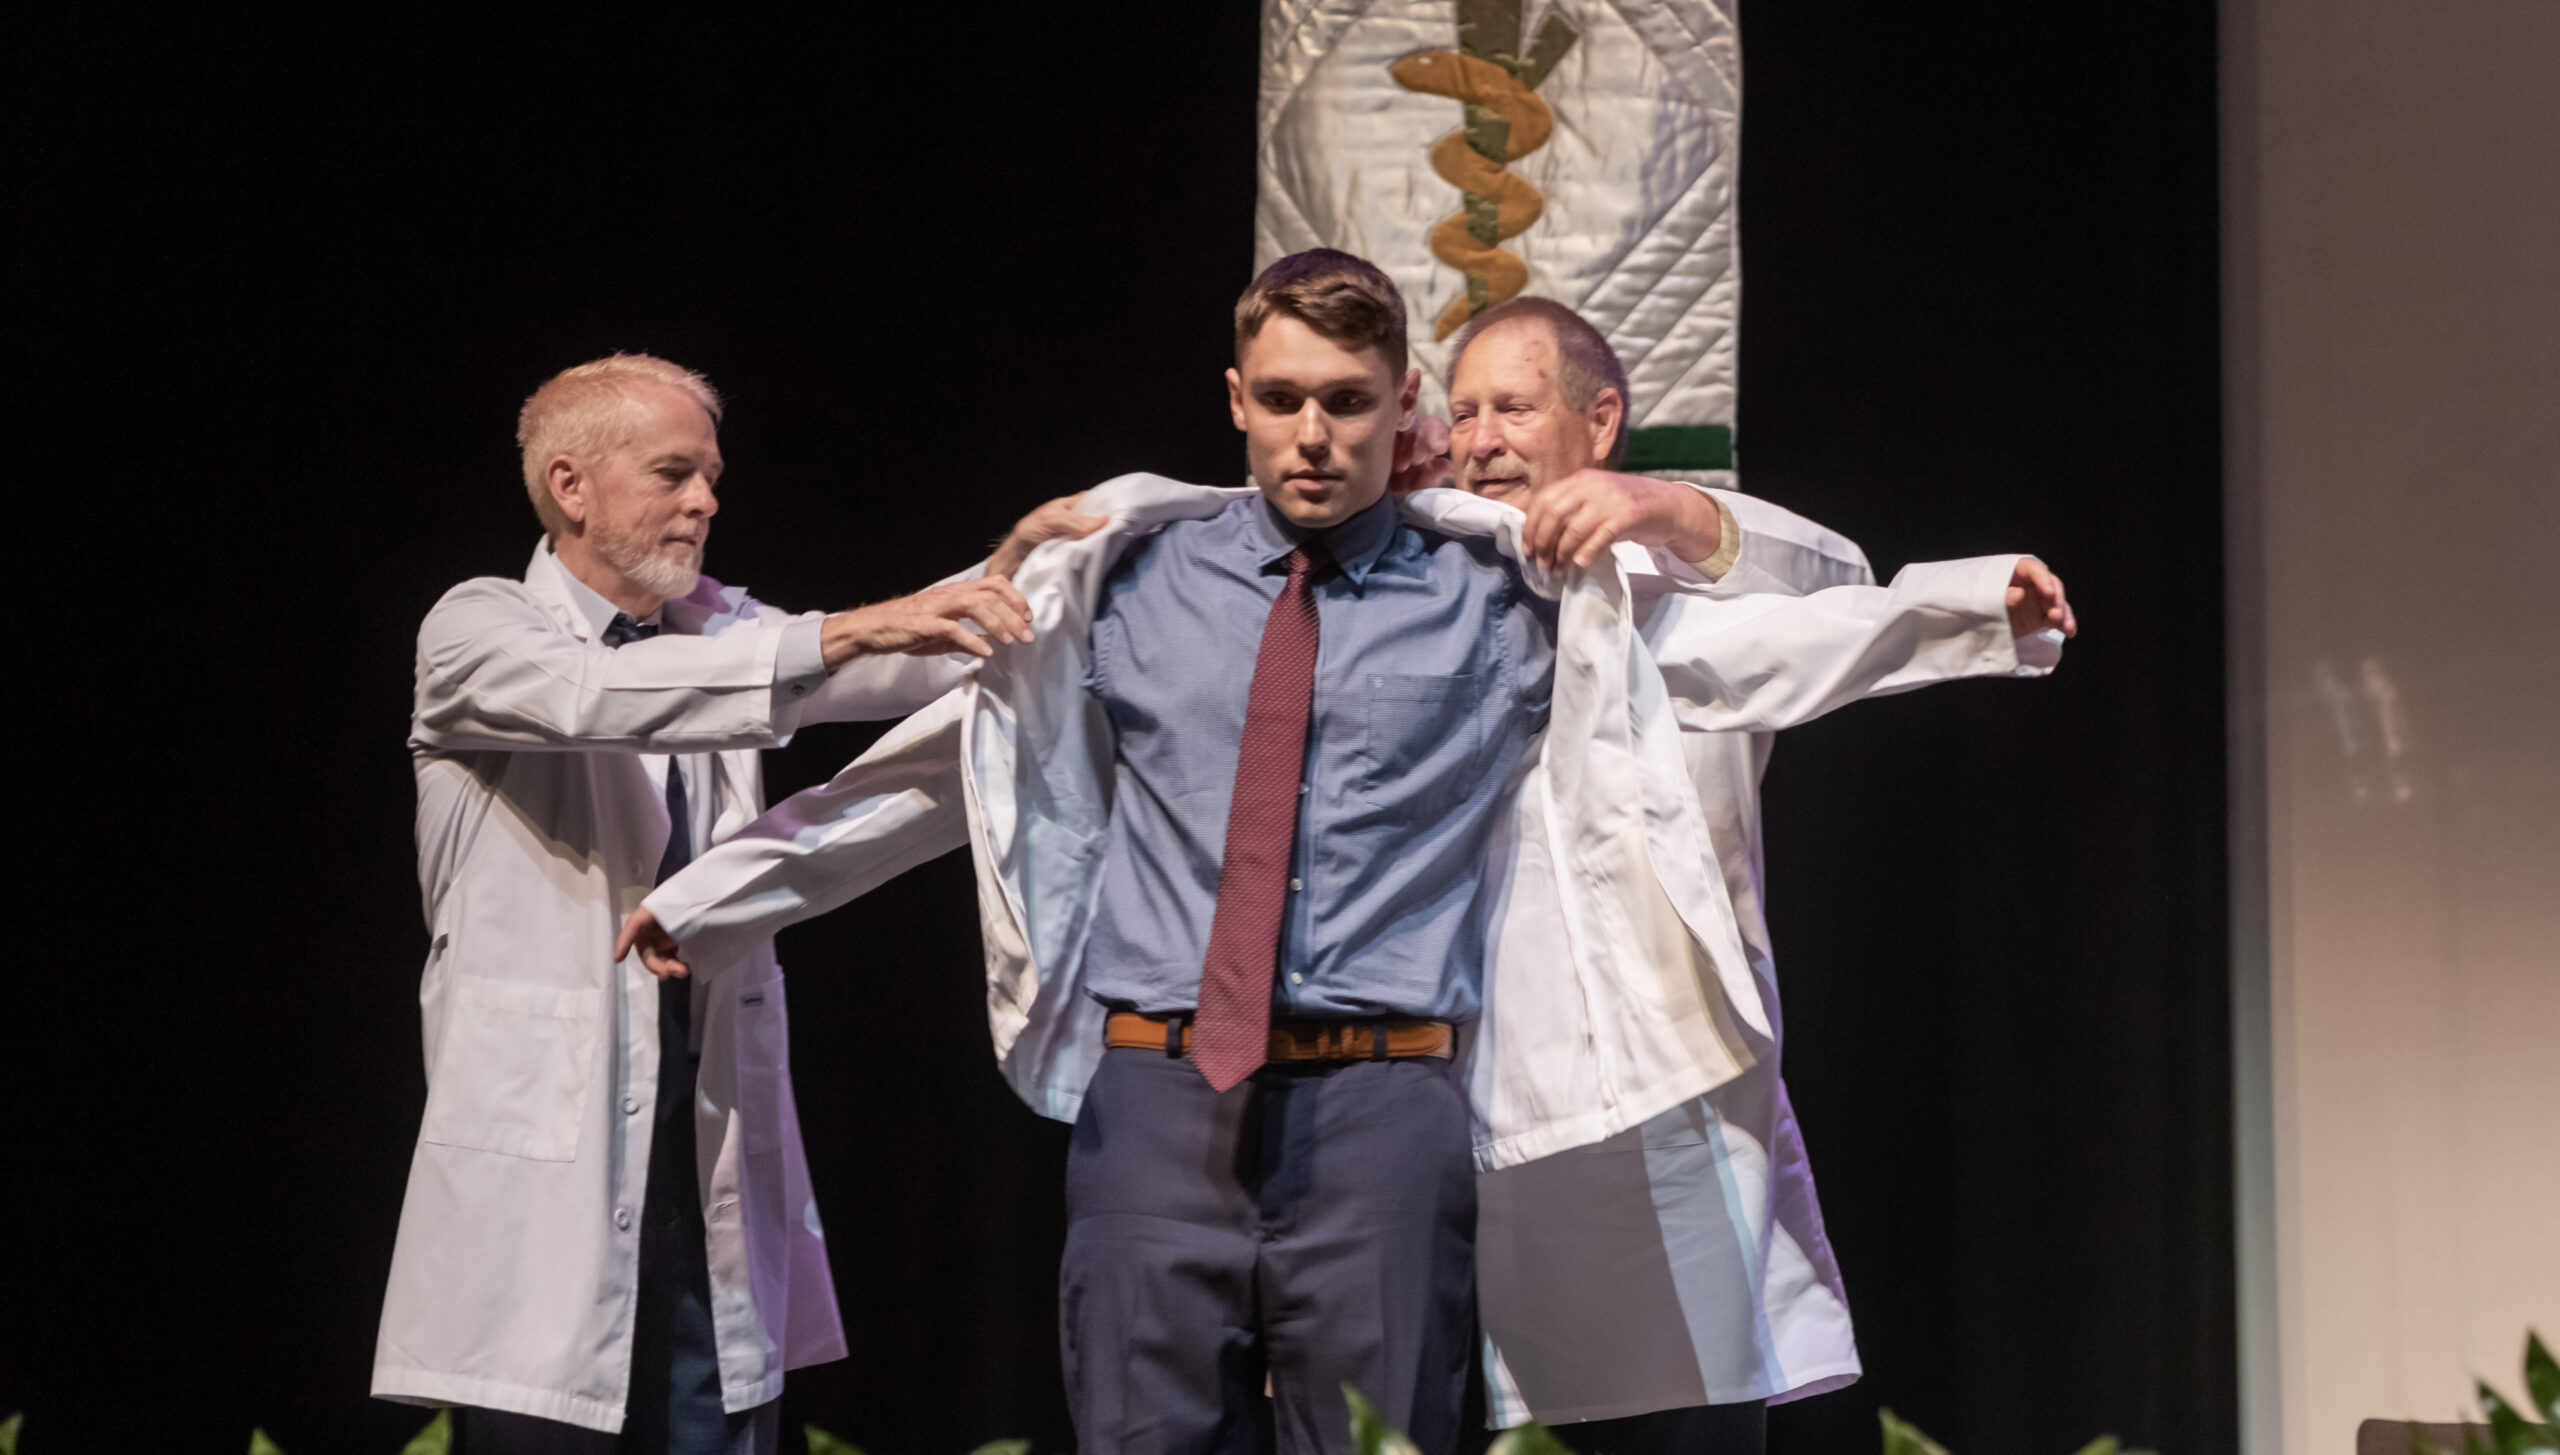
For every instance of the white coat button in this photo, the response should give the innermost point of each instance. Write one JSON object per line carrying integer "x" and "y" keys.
{"x": 631, "y": 1106}
{"x": 1296, "y": 884}
{"x": 622, "y": 1218}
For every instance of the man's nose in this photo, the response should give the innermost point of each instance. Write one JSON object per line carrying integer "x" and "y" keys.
{"x": 1313, "y": 434}
{"x": 700, "y": 499}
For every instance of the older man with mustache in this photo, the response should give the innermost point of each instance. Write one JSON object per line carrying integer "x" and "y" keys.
{"x": 608, "y": 1242}
{"x": 1652, "y": 1293}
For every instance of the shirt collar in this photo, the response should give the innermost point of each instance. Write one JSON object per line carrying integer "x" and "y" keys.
{"x": 1354, "y": 544}
{"x": 590, "y": 604}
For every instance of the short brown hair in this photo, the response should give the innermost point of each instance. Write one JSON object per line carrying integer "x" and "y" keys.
{"x": 1585, "y": 364}
{"x": 1345, "y": 298}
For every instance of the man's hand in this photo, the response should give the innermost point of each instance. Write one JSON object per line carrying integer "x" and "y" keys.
{"x": 1422, "y": 456}
{"x": 2036, "y": 601}
{"x": 934, "y": 620}
{"x": 658, "y": 949}
{"x": 1573, "y": 520}
{"x": 1057, "y": 520}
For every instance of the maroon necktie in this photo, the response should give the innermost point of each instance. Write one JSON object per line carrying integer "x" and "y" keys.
{"x": 1232, "y": 1035}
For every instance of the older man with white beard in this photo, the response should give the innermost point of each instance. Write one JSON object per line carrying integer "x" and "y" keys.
{"x": 608, "y": 1241}
{"x": 1653, "y": 1292}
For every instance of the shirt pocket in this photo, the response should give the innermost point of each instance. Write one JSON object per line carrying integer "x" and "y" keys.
{"x": 1423, "y": 741}
{"x": 513, "y": 1069}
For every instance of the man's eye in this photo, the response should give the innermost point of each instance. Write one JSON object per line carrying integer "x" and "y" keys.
{"x": 1347, "y": 404}
{"x": 1279, "y": 404}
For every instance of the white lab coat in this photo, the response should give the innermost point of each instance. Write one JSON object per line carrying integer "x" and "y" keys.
{"x": 1683, "y": 1261}
{"x": 1617, "y": 985}
{"x": 539, "y": 827}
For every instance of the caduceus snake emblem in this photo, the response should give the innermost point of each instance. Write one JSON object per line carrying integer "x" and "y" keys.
{"x": 1505, "y": 120}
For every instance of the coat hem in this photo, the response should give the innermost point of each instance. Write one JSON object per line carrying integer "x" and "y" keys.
{"x": 1821, "y": 1380}
{"x": 421, "y": 1386}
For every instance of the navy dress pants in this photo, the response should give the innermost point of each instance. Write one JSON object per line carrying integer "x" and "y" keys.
{"x": 1315, "y": 1225}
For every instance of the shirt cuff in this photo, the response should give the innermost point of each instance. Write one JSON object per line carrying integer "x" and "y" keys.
{"x": 800, "y": 667}
{"x": 1728, "y": 543}
{"x": 2039, "y": 652}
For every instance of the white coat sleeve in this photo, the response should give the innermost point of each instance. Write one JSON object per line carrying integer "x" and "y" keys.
{"x": 1764, "y": 662}
{"x": 893, "y": 808}
{"x": 868, "y": 688}
{"x": 1782, "y": 551}
{"x": 495, "y": 671}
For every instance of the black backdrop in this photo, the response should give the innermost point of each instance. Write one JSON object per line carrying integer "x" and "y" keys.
{"x": 277, "y": 290}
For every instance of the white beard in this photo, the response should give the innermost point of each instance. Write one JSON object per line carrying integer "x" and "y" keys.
{"x": 646, "y": 564}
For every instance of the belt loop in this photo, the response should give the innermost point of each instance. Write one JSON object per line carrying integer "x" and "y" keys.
{"x": 1378, "y": 1041}
{"x": 1173, "y": 1025}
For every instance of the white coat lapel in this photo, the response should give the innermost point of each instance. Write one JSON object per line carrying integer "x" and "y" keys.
{"x": 1038, "y": 753}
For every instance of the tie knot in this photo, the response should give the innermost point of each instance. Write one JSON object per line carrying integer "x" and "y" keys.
{"x": 623, "y": 629}
{"x": 1309, "y": 560}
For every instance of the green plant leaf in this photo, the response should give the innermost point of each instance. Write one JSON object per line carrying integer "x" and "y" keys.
{"x": 435, "y": 1439}
{"x": 822, "y": 1443}
{"x": 2542, "y": 1379}
{"x": 1370, "y": 1433}
{"x": 259, "y": 1444}
{"x": 1529, "y": 1439}
{"x": 9, "y": 1434}
{"x": 2103, "y": 1445}
{"x": 2511, "y": 1432}
{"x": 1003, "y": 1447}
{"x": 1901, "y": 1437}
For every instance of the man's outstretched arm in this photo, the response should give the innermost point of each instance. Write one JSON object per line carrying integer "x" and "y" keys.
{"x": 891, "y": 809}
{"x": 1763, "y": 662}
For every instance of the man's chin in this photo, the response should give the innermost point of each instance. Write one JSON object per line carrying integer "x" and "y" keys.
{"x": 1315, "y": 504}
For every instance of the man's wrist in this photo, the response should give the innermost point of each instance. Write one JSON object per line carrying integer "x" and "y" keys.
{"x": 839, "y": 638}
{"x": 1699, "y": 531}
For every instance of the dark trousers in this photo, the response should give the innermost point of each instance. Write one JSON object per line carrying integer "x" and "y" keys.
{"x": 674, "y": 1405}
{"x": 1710, "y": 1429}
{"x": 1315, "y": 1225}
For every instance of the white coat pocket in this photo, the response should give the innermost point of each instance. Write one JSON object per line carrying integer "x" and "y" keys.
{"x": 764, "y": 1062}
{"x": 512, "y": 1073}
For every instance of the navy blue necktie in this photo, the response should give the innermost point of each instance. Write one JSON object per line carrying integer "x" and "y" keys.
{"x": 621, "y": 631}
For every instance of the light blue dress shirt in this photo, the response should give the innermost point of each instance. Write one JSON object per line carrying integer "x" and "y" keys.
{"x": 1433, "y": 670}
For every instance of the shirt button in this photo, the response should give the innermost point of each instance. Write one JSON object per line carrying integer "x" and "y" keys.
{"x": 622, "y": 1218}
{"x": 1302, "y": 790}
{"x": 1295, "y": 978}
{"x": 1296, "y": 884}
{"x": 631, "y": 1106}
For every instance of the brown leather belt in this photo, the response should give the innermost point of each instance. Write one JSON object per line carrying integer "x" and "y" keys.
{"x": 1387, "y": 1038}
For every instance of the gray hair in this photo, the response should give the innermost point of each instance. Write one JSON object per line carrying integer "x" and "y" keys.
{"x": 585, "y": 413}
{"x": 1585, "y": 364}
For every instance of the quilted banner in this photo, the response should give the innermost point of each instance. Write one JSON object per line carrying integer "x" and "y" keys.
{"x": 1580, "y": 150}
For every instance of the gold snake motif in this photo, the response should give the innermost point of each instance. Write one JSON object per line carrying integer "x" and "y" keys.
{"x": 1505, "y": 121}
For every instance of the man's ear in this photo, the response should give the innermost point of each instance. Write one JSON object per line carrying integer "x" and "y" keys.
{"x": 1608, "y": 420}
{"x": 1235, "y": 397}
{"x": 1412, "y": 394}
{"x": 568, "y": 487}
